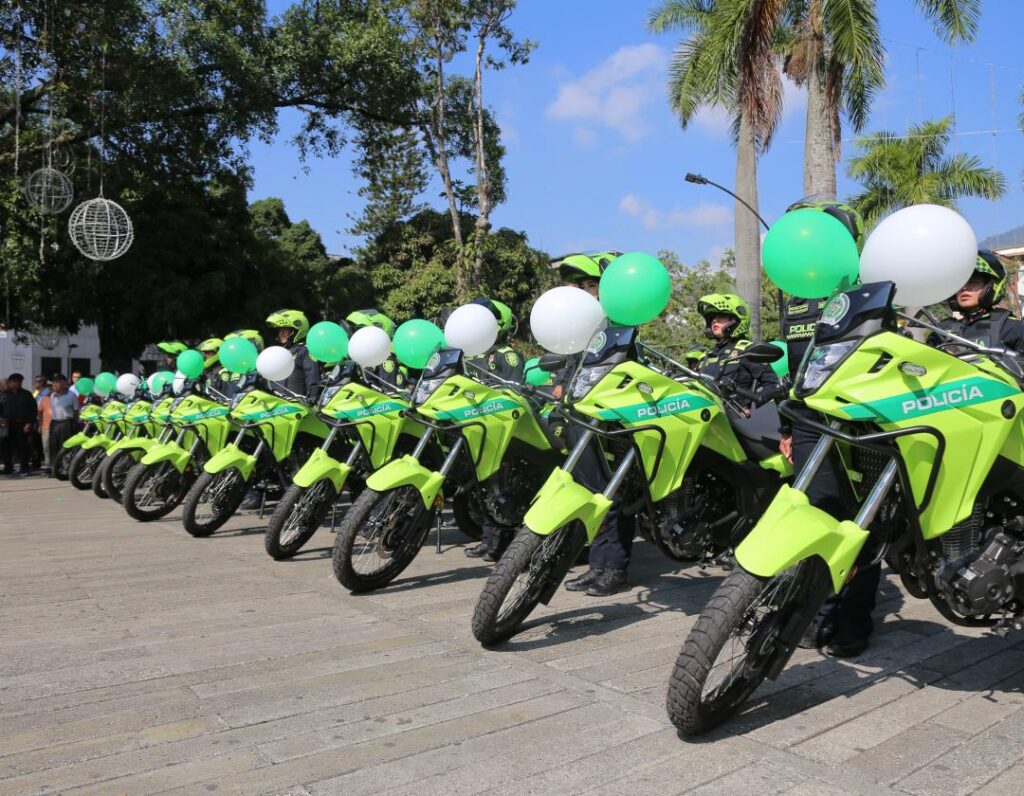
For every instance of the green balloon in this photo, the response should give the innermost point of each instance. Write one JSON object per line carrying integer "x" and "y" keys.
{"x": 190, "y": 363}
{"x": 238, "y": 355}
{"x": 781, "y": 365}
{"x": 635, "y": 289}
{"x": 327, "y": 342}
{"x": 810, "y": 254}
{"x": 85, "y": 386}
{"x": 105, "y": 383}
{"x": 168, "y": 376}
{"x": 534, "y": 375}
{"x": 416, "y": 341}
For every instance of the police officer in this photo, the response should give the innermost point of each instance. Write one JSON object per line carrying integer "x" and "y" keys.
{"x": 291, "y": 327}
{"x": 501, "y": 360}
{"x": 727, "y": 322}
{"x": 210, "y": 349}
{"x": 170, "y": 349}
{"x": 844, "y": 625}
{"x": 980, "y": 320}
{"x": 612, "y": 547}
{"x": 389, "y": 371}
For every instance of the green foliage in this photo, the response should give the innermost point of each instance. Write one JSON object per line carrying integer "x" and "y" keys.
{"x": 897, "y": 171}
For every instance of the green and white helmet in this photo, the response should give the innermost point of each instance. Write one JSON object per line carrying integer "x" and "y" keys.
{"x": 290, "y": 319}
{"x": 991, "y": 267}
{"x": 502, "y": 312}
{"x": 371, "y": 317}
{"x": 584, "y": 265}
{"x": 843, "y": 213}
{"x": 726, "y": 304}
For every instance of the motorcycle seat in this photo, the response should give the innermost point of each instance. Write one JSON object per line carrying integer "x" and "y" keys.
{"x": 758, "y": 434}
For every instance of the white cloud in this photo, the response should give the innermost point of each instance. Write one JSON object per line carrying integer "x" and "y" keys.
{"x": 585, "y": 137}
{"x": 616, "y": 92}
{"x": 704, "y": 215}
{"x": 716, "y": 253}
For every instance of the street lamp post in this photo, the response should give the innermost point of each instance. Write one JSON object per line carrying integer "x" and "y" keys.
{"x": 700, "y": 179}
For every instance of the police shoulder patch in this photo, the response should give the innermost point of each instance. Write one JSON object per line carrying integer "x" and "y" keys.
{"x": 512, "y": 358}
{"x": 389, "y": 366}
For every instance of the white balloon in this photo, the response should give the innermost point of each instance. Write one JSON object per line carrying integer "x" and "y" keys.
{"x": 179, "y": 382}
{"x": 565, "y": 319}
{"x": 275, "y": 363}
{"x": 473, "y": 328}
{"x": 369, "y": 347}
{"x": 928, "y": 251}
{"x": 127, "y": 384}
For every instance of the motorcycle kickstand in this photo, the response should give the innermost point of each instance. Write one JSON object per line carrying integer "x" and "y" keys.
{"x": 437, "y": 545}
{"x": 334, "y": 514}
{"x": 263, "y": 502}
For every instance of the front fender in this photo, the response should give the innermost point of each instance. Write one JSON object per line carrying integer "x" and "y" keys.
{"x": 76, "y": 440}
{"x": 319, "y": 466}
{"x": 231, "y": 456}
{"x": 779, "y": 464}
{"x": 407, "y": 471}
{"x": 560, "y": 501}
{"x": 792, "y": 530}
{"x": 168, "y": 452}
{"x": 140, "y": 444}
{"x": 98, "y": 441}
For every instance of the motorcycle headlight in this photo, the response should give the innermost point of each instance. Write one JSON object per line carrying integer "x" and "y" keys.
{"x": 586, "y": 380}
{"x": 820, "y": 364}
{"x": 327, "y": 395}
{"x": 426, "y": 388}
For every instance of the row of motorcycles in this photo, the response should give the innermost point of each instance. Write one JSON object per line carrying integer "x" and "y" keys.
{"x": 930, "y": 440}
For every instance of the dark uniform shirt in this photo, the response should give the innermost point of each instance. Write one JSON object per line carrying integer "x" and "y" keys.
{"x": 390, "y": 372}
{"x": 993, "y": 329}
{"x": 724, "y": 362}
{"x": 306, "y": 376}
{"x": 502, "y": 361}
{"x": 799, "y": 317}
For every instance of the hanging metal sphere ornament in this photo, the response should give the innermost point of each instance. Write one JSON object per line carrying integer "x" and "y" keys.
{"x": 49, "y": 191}
{"x": 101, "y": 229}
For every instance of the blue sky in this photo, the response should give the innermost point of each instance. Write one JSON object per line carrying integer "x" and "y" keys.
{"x": 596, "y": 158}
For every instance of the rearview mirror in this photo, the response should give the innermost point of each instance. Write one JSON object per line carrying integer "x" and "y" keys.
{"x": 549, "y": 363}
{"x": 764, "y": 353}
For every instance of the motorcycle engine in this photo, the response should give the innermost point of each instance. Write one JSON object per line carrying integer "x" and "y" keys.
{"x": 983, "y": 570}
{"x": 507, "y": 494}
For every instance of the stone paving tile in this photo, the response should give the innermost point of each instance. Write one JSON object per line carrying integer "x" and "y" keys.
{"x": 135, "y": 659}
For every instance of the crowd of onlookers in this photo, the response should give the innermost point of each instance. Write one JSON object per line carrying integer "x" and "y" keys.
{"x": 34, "y": 424}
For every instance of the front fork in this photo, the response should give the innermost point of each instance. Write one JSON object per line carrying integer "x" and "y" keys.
{"x": 872, "y": 503}
{"x": 615, "y": 482}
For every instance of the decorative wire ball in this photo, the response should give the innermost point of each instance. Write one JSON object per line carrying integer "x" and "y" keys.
{"x": 49, "y": 191}
{"x": 46, "y": 337}
{"x": 101, "y": 229}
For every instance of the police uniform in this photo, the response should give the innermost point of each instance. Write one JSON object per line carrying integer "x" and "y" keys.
{"x": 305, "y": 378}
{"x": 845, "y": 617}
{"x": 724, "y": 362}
{"x": 390, "y": 372}
{"x": 994, "y": 328}
{"x": 502, "y": 361}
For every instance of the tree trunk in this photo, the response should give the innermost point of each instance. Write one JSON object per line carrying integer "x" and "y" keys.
{"x": 483, "y": 184}
{"x": 748, "y": 239}
{"x": 819, "y": 135}
{"x": 437, "y": 142}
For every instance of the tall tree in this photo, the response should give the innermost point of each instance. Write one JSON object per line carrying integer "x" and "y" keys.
{"x": 836, "y": 50}
{"x": 728, "y": 60}
{"x": 897, "y": 171}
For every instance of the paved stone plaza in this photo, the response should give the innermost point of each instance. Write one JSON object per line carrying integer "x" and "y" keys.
{"x": 137, "y": 660}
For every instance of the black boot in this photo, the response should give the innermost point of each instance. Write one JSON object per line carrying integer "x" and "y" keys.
{"x": 817, "y": 635}
{"x": 609, "y": 582}
{"x": 477, "y": 551}
{"x": 846, "y": 647}
{"x": 583, "y": 581}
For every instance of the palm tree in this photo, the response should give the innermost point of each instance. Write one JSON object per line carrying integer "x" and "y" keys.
{"x": 728, "y": 60}
{"x": 897, "y": 171}
{"x": 836, "y": 49}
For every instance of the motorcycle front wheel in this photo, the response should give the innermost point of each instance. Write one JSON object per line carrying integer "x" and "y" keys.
{"x": 62, "y": 463}
{"x": 152, "y": 491}
{"x": 297, "y": 517}
{"x": 747, "y": 624}
{"x": 528, "y": 568}
{"x": 211, "y": 501}
{"x": 83, "y": 467}
{"x": 380, "y": 536}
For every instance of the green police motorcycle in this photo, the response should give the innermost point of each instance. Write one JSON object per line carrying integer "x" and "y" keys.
{"x": 197, "y": 428}
{"x": 90, "y": 454}
{"x": 482, "y": 443}
{"x": 685, "y": 462}
{"x": 145, "y": 418}
{"x": 368, "y": 424}
{"x": 89, "y": 418}
{"x": 274, "y": 433}
{"x": 935, "y": 445}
